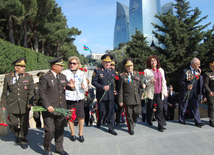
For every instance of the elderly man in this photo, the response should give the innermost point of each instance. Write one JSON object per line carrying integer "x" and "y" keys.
{"x": 102, "y": 79}
{"x": 187, "y": 85}
{"x": 17, "y": 94}
{"x": 209, "y": 91}
{"x": 52, "y": 87}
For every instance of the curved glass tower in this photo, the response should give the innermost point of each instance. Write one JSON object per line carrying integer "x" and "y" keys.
{"x": 141, "y": 15}
{"x": 121, "y": 30}
{"x": 166, "y": 7}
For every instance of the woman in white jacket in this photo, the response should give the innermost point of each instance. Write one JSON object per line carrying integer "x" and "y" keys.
{"x": 156, "y": 90}
{"x": 75, "y": 99}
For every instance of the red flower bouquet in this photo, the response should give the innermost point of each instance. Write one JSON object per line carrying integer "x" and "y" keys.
{"x": 83, "y": 69}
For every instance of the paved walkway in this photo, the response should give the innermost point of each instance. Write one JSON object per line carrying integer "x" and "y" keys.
{"x": 176, "y": 140}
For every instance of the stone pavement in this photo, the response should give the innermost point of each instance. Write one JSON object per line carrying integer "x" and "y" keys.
{"x": 176, "y": 140}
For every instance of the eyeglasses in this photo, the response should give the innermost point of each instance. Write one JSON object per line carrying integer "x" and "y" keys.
{"x": 112, "y": 65}
{"x": 74, "y": 63}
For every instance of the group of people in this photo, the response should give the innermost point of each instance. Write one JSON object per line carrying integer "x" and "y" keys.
{"x": 66, "y": 89}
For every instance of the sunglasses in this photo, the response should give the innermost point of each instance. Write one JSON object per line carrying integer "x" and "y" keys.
{"x": 72, "y": 63}
{"x": 112, "y": 65}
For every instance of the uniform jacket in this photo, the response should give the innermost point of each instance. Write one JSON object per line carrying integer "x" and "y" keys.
{"x": 172, "y": 98}
{"x": 185, "y": 80}
{"x": 150, "y": 86}
{"x": 36, "y": 99}
{"x": 79, "y": 78}
{"x": 20, "y": 93}
{"x": 51, "y": 92}
{"x": 100, "y": 79}
{"x": 129, "y": 93}
{"x": 209, "y": 82}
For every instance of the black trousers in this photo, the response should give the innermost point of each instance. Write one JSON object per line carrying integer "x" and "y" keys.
{"x": 86, "y": 109}
{"x": 210, "y": 101}
{"x": 19, "y": 125}
{"x": 159, "y": 110}
{"x": 53, "y": 124}
{"x": 107, "y": 106}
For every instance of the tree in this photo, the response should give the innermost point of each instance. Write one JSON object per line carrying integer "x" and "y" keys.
{"x": 181, "y": 36}
{"x": 139, "y": 50}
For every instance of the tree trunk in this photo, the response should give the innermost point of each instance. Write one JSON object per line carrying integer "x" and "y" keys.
{"x": 57, "y": 49}
{"x": 43, "y": 46}
{"x": 16, "y": 34}
{"x": 31, "y": 45}
{"x": 25, "y": 34}
{"x": 36, "y": 46}
{"x": 10, "y": 24}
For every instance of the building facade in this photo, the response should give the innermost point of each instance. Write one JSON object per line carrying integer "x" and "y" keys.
{"x": 168, "y": 7}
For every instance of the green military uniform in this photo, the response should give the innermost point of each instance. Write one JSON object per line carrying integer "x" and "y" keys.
{"x": 209, "y": 87}
{"x": 129, "y": 95}
{"x": 16, "y": 101}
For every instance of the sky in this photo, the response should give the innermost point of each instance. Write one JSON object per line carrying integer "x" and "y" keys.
{"x": 96, "y": 20}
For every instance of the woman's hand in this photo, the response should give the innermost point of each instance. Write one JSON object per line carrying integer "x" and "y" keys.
{"x": 153, "y": 80}
{"x": 71, "y": 83}
{"x": 82, "y": 86}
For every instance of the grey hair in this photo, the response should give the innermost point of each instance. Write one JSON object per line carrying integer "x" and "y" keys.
{"x": 193, "y": 60}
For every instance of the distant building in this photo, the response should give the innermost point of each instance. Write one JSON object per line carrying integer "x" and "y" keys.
{"x": 96, "y": 56}
{"x": 166, "y": 7}
{"x": 107, "y": 51}
{"x": 121, "y": 30}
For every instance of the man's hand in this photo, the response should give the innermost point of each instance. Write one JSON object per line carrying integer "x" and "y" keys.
{"x": 121, "y": 104}
{"x": 211, "y": 94}
{"x": 115, "y": 92}
{"x": 106, "y": 88}
{"x": 190, "y": 87}
{"x": 71, "y": 83}
{"x": 50, "y": 109}
{"x": 3, "y": 108}
{"x": 144, "y": 85}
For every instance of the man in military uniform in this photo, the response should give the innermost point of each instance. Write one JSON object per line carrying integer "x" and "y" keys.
{"x": 129, "y": 93}
{"x": 37, "y": 102}
{"x": 209, "y": 91}
{"x": 20, "y": 87}
{"x": 102, "y": 79}
{"x": 52, "y": 87}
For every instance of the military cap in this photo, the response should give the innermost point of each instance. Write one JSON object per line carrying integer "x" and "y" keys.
{"x": 57, "y": 61}
{"x": 107, "y": 57}
{"x": 113, "y": 62}
{"x": 211, "y": 62}
{"x": 19, "y": 62}
{"x": 39, "y": 74}
{"x": 128, "y": 61}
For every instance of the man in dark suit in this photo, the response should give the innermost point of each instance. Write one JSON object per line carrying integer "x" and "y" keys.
{"x": 209, "y": 91}
{"x": 186, "y": 84}
{"x": 52, "y": 87}
{"x": 102, "y": 79}
{"x": 20, "y": 87}
{"x": 129, "y": 93}
{"x": 172, "y": 100}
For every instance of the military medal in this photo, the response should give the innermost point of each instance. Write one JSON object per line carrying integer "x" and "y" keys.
{"x": 52, "y": 82}
{"x": 13, "y": 80}
{"x": 25, "y": 87}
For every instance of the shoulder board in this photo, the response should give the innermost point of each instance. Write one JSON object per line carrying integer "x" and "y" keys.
{"x": 136, "y": 72}
{"x": 116, "y": 72}
{"x": 123, "y": 73}
{"x": 9, "y": 74}
{"x": 98, "y": 68}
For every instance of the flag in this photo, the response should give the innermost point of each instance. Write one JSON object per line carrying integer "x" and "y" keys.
{"x": 85, "y": 48}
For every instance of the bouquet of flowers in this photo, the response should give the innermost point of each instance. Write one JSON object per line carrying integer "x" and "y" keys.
{"x": 195, "y": 78}
{"x": 83, "y": 69}
{"x": 68, "y": 113}
{"x": 72, "y": 115}
{"x": 115, "y": 78}
{"x": 3, "y": 119}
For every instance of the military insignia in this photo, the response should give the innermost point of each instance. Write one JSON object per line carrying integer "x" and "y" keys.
{"x": 189, "y": 75}
{"x": 25, "y": 81}
{"x": 52, "y": 82}
{"x": 94, "y": 74}
{"x": 62, "y": 81}
{"x": 137, "y": 78}
{"x": 101, "y": 75}
{"x": 13, "y": 81}
{"x": 25, "y": 87}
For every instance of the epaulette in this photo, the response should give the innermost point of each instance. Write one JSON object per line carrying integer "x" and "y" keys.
{"x": 116, "y": 72}
{"x": 98, "y": 68}
{"x": 9, "y": 74}
{"x": 122, "y": 73}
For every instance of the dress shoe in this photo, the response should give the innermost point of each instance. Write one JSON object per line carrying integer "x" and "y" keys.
{"x": 98, "y": 124}
{"x": 16, "y": 140}
{"x": 199, "y": 125}
{"x": 161, "y": 129}
{"x": 182, "y": 123}
{"x": 112, "y": 132}
{"x": 73, "y": 138}
{"x": 81, "y": 139}
{"x": 149, "y": 123}
{"x": 131, "y": 132}
{"x": 23, "y": 146}
{"x": 63, "y": 152}
{"x": 211, "y": 123}
{"x": 48, "y": 153}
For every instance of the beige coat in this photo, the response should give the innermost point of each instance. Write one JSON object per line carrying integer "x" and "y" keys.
{"x": 150, "y": 86}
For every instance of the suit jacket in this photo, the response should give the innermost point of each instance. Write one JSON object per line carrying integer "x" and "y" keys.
{"x": 172, "y": 98}
{"x": 52, "y": 92}
{"x": 100, "y": 79}
{"x": 129, "y": 93}
{"x": 209, "y": 82}
{"x": 20, "y": 93}
{"x": 150, "y": 86}
{"x": 185, "y": 80}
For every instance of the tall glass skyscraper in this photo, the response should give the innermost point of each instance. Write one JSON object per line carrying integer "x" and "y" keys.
{"x": 121, "y": 31}
{"x": 141, "y": 15}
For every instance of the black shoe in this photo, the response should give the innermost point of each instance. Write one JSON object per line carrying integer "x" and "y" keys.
{"x": 211, "y": 124}
{"x": 98, "y": 125}
{"x": 199, "y": 125}
{"x": 81, "y": 139}
{"x": 63, "y": 152}
{"x": 149, "y": 123}
{"x": 112, "y": 132}
{"x": 23, "y": 146}
{"x": 182, "y": 123}
{"x": 48, "y": 153}
{"x": 73, "y": 138}
{"x": 131, "y": 132}
{"x": 16, "y": 140}
{"x": 161, "y": 129}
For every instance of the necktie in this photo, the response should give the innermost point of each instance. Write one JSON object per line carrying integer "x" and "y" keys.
{"x": 107, "y": 70}
{"x": 57, "y": 77}
{"x": 18, "y": 77}
{"x": 194, "y": 71}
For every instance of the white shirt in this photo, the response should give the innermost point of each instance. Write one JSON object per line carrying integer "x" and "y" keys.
{"x": 79, "y": 78}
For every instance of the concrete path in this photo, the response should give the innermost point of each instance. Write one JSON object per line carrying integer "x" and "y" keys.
{"x": 176, "y": 140}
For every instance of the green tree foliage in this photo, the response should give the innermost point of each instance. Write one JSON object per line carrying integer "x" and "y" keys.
{"x": 139, "y": 50}
{"x": 181, "y": 36}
